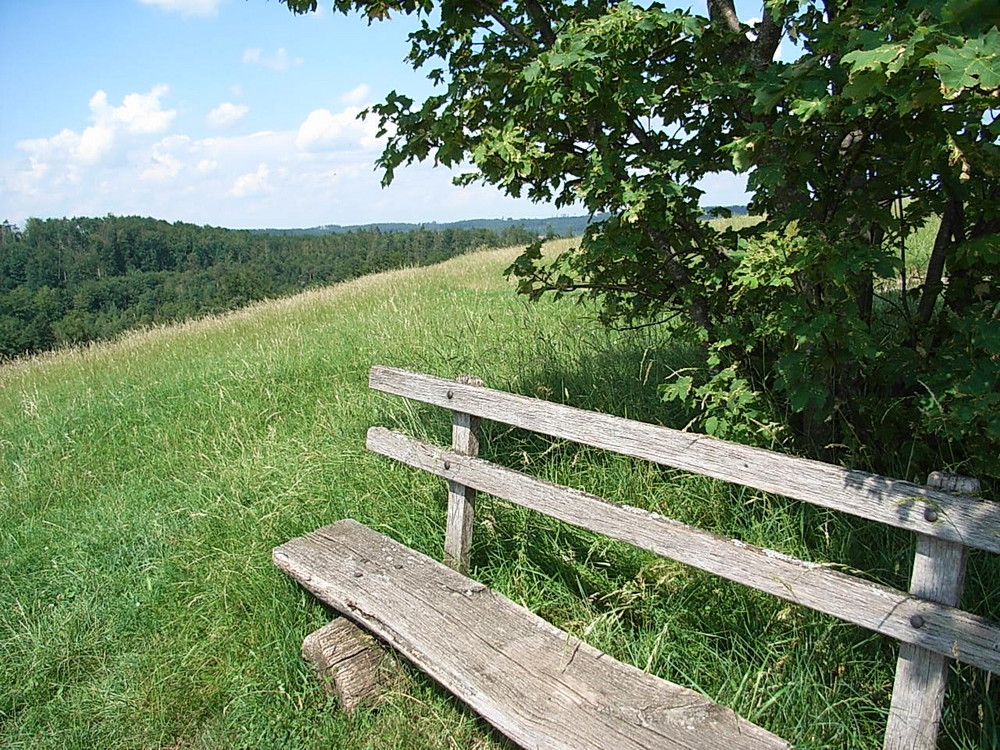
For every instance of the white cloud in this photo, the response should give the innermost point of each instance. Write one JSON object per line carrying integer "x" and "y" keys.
{"x": 166, "y": 161}
{"x": 187, "y": 7}
{"x": 139, "y": 114}
{"x": 243, "y": 152}
{"x": 323, "y": 130}
{"x": 357, "y": 97}
{"x": 48, "y": 155}
{"x": 252, "y": 182}
{"x": 226, "y": 114}
{"x": 112, "y": 164}
{"x": 96, "y": 142}
{"x": 279, "y": 61}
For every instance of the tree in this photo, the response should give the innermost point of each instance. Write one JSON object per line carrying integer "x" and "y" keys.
{"x": 885, "y": 123}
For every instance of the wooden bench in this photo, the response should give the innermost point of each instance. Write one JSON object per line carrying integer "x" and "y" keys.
{"x": 543, "y": 687}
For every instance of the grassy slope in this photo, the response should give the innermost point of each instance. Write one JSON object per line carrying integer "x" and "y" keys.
{"x": 144, "y": 482}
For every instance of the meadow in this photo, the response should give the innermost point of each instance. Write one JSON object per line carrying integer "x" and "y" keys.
{"x": 144, "y": 481}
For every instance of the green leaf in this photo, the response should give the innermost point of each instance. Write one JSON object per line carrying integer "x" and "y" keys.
{"x": 873, "y": 59}
{"x": 976, "y": 63}
{"x": 741, "y": 151}
{"x": 766, "y": 98}
{"x": 806, "y": 109}
{"x": 678, "y": 390}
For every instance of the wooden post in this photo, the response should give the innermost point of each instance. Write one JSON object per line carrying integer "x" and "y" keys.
{"x": 350, "y": 663}
{"x": 461, "y": 499}
{"x": 921, "y": 675}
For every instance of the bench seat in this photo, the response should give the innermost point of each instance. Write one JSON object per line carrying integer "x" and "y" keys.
{"x": 539, "y": 685}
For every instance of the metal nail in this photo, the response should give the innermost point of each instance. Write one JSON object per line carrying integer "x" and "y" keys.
{"x": 930, "y": 514}
{"x": 447, "y": 465}
{"x": 917, "y": 621}
{"x": 451, "y": 394}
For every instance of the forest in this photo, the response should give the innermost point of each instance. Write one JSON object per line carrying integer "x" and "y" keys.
{"x": 73, "y": 280}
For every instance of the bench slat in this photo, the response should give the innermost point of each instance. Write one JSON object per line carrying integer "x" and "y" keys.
{"x": 973, "y": 522}
{"x": 943, "y": 629}
{"x": 537, "y": 684}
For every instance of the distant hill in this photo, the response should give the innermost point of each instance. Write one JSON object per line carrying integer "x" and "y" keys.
{"x": 562, "y": 226}
{"x": 69, "y": 281}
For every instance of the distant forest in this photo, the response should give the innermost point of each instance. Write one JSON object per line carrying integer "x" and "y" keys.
{"x": 559, "y": 226}
{"x": 69, "y": 281}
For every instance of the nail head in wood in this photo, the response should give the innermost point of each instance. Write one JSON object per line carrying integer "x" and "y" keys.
{"x": 451, "y": 394}
{"x": 917, "y": 621}
{"x": 930, "y": 514}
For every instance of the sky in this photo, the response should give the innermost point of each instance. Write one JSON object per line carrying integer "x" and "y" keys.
{"x": 233, "y": 113}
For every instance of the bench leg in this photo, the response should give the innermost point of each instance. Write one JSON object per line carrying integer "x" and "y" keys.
{"x": 350, "y": 663}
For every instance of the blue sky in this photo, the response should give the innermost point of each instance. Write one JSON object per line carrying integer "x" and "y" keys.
{"x": 226, "y": 112}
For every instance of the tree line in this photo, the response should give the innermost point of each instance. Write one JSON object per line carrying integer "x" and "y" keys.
{"x": 73, "y": 280}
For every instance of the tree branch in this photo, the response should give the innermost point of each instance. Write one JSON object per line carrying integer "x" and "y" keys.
{"x": 769, "y": 33}
{"x": 724, "y": 12}
{"x": 541, "y": 21}
{"x": 950, "y": 225}
{"x": 642, "y": 136}
{"x": 698, "y": 309}
{"x": 510, "y": 28}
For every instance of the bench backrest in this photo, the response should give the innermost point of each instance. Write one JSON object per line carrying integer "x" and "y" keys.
{"x": 926, "y": 620}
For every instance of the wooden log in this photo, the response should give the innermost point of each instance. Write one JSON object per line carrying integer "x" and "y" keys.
{"x": 943, "y": 629}
{"x": 877, "y": 498}
{"x": 922, "y": 675}
{"x": 537, "y": 684}
{"x": 462, "y": 499}
{"x": 350, "y": 663}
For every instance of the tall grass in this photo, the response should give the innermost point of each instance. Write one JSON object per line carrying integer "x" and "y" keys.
{"x": 144, "y": 482}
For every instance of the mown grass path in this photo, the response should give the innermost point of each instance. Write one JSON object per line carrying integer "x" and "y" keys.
{"x": 144, "y": 482}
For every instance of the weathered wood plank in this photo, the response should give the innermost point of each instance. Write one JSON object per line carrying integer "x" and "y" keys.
{"x": 942, "y": 629}
{"x": 537, "y": 684}
{"x": 461, "y": 499}
{"x": 921, "y": 675}
{"x": 894, "y": 502}
{"x": 350, "y": 663}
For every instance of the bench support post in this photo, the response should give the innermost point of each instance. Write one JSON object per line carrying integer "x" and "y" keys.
{"x": 922, "y": 675}
{"x": 350, "y": 664}
{"x": 461, "y": 499}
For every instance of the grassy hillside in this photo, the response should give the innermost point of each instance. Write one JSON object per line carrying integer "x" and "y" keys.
{"x": 144, "y": 482}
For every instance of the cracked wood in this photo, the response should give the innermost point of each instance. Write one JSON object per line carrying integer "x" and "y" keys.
{"x": 535, "y": 683}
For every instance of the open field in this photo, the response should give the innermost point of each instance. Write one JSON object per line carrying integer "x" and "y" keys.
{"x": 144, "y": 482}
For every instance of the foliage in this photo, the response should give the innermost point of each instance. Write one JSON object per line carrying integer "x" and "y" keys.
{"x": 885, "y": 121}
{"x": 69, "y": 281}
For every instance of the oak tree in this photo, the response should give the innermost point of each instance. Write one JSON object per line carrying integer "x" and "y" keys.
{"x": 876, "y": 125}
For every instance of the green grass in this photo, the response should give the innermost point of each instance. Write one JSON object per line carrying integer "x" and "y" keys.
{"x": 144, "y": 482}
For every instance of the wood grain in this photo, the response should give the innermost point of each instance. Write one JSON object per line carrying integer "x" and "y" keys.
{"x": 461, "y": 499}
{"x": 921, "y": 675}
{"x": 540, "y": 686}
{"x": 350, "y": 663}
{"x": 890, "y": 501}
{"x": 944, "y": 629}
